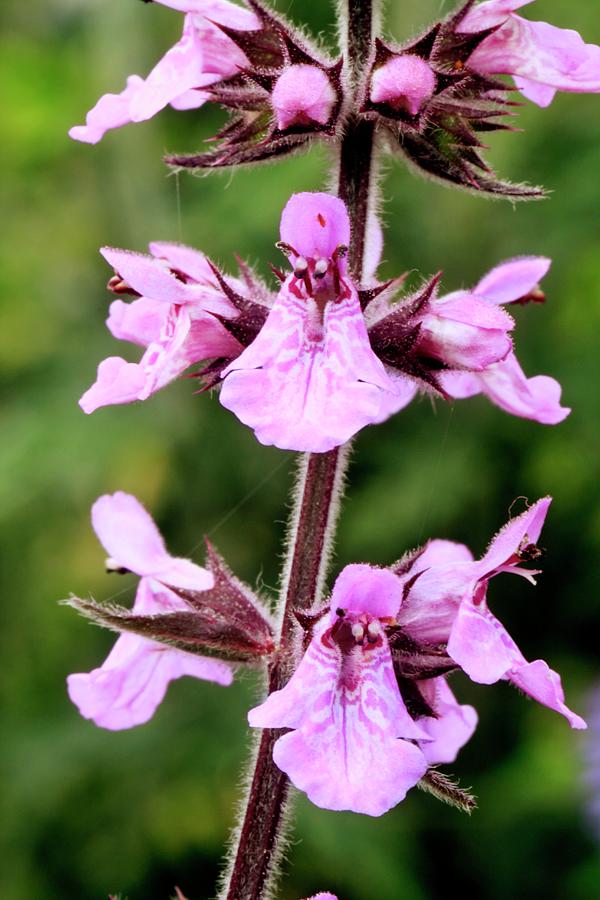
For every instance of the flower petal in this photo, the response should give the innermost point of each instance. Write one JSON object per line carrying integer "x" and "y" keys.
{"x": 525, "y": 528}
{"x": 180, "y": 69}
{"x": 111, "y": 111}
{"x": 315, "y": 224}
{"x": 220, "y": 11}
{"x": 430, "y": 609}
{"x": 539, "y": 681}
{"x": 538, "y": 52}
{"x": 366, "y": 589}
{"x": 117, "y": 382}
{"x": 348, "y": 713}
{"x": 508, "y": 387}
{"x": 489, "y": 14}
{"x": 130, "y": 537}
{"x": 305, "y": 386}
{"x": 480, "y": 644}
{"x": 128, "y": 533}
{"x": 147, "y": 276}
{"x": 513, "y": 279}
{"x": 453, "y": 727}
{"x": 125, "y": 692}
{"x": 140, "y": 322}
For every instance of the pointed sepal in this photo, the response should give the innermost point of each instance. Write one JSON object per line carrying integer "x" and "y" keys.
{"x": 443, "y": 788}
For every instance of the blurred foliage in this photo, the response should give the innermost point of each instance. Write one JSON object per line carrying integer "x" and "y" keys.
{"x": 87, "y": 812}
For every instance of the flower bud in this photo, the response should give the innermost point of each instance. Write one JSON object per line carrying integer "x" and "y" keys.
{"x": 404, "y": 82}
{"x": 303, "y": 95}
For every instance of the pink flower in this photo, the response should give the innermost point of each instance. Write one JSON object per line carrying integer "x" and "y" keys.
{"x": 404, "y": 82}
{"x": 310, "y": 380}
{"x": 503, "y": 380}
{"x": 128, "y": 687}
{"x": 447, "y": 603}
{"x": 173, "y": 319}
{"x": 542, "y": 59}
{"x": 203, "y": 56}
{"x": 469, "y": 334}
{"x": 353, "y": 744}
{"x": 303, "y": 95}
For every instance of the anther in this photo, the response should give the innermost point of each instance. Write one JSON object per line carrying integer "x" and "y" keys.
{"x": 358, "y": 632}
{"x": 300, "y": 267}
{"x": 373, "y": 632}
{"x": 340, "y": 612}
{"x": 113, "y": 567}
{"x": 321, "y": 267}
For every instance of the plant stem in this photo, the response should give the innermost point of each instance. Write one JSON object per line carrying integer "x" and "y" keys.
{"x": 260, "y": 837}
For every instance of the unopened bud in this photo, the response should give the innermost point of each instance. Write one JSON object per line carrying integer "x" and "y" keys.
{"x": 303, "y": 95}
{"x": 404, "y": 82}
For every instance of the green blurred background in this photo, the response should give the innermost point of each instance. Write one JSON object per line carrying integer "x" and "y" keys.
{"x": 87, "y": 812}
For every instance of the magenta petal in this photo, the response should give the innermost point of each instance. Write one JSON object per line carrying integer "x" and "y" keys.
{"x": 130, "y": 537}
{"x": 524, "y": 529}
{"x": 305, "y": 386}
{"x": 179, "y": 70}
{"x": 140, "y": 322}
{"x": 453, "y": 727}
{"x": 111, "y": 111}
{"x": 429, "y": 611}
{"x": 513, "y": 279}
{"x": 117, "y": 382}
{"x": 315, "y": 224}
{"x": 489, "y": 14}
{"x": 126, "y": 690}
{"x": 146, "y": 275}
{"x": 366, "y": 589}
{"x": 184, "y": 259}
{"x": 464, "y": 331}
{"x": 480, "y": 644}
{"x": 540, "y": 94}
{"x": 556, "y": 58}
{"x": 342, "y": 771}
{"x": 348, "y": 714}
{"x": 536, "y": 398}
{"x": 440, "y": 553}
{"x": 403, "y": 390}
{"x": 539, "y": 681}
{"x": 461, "y": 385}
{"x": 127, "y": 532}
{"x": 220, "y": 11}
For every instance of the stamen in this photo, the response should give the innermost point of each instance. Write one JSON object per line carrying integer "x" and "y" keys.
{"x": 112, "y": 566}
{"x": 286, "y": 249}
{"x": 373, "y": 632}
{"x": 358, "y": 632}
{"x": 300, "y": 267}
{"x": 321, "y": 267}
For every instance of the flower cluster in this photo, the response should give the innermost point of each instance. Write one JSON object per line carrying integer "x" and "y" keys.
{"x": 369, "y": 706}
{"x": 369, "y": 709}
{"x": 311, "y": 366}
{"x": 435, "y": 97}
{"x": 363, "y": 708}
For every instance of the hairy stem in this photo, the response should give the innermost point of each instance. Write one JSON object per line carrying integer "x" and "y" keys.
{"x": 260, "y": 836}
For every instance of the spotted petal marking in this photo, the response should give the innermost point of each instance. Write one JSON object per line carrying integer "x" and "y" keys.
{"x": 306, "y": 385}
{"x": 348, "y": 714}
